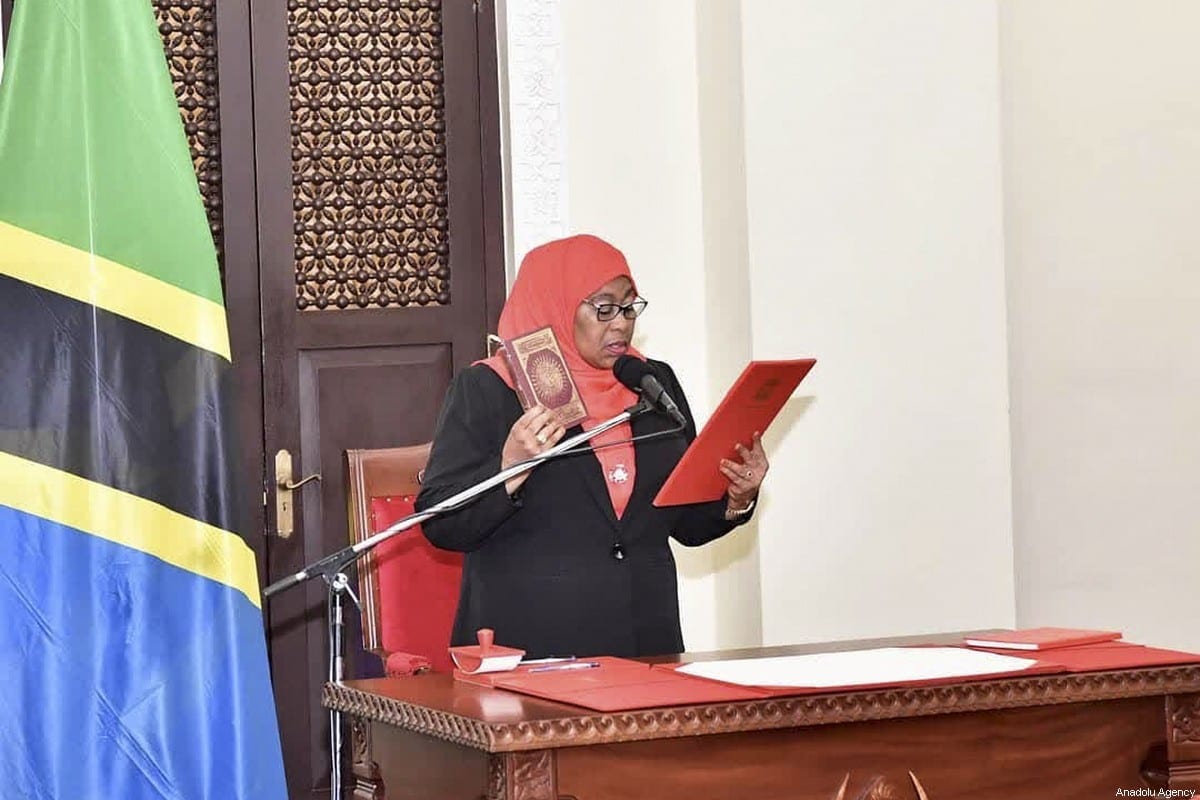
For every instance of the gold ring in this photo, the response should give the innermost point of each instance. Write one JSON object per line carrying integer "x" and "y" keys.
{"x": 541, "y": 437}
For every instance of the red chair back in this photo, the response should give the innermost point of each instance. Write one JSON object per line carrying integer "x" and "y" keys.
{"x": 409, "y": 588}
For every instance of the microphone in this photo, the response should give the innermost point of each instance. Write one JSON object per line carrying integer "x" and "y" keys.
{"x": 637, "y": 375}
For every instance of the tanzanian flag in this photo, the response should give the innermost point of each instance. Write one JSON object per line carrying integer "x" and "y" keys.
{"x": 132, "y": 651}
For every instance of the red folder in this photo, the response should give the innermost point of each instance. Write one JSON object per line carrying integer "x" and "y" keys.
{"x": 1040, "y": 638}
{"x": 620, "y": 684}
{"x": 1117, "y": 655}
{"x": 750, "y": 405}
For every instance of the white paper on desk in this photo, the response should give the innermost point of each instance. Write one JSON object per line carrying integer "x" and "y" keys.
{"x": 883, "y": 665}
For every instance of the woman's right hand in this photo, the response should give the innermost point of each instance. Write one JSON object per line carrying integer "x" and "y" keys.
{"x": 533, "y": 433}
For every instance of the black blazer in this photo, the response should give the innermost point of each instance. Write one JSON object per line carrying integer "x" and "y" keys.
{"x": 539, "y": 567}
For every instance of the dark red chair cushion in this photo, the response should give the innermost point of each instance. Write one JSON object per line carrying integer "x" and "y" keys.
{"x": 418, "y": 589}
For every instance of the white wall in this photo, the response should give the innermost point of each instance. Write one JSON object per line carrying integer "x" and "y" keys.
{"x": 633, "y": 167}
{"x": 737, "y": 569}
{"x": 874, "y": 197}
{"x": 1102, "y": 169}
{"x": 804, "y": 231}
{"x": 846, "y": 180}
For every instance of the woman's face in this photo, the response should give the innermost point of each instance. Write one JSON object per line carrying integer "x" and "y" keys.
{"x": 602, "y": 343}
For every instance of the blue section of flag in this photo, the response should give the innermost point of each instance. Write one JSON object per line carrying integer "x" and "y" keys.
{"x": 126, "y": 677}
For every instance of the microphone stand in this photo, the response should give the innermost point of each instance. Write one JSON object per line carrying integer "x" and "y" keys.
{"x": 331, "y": 567}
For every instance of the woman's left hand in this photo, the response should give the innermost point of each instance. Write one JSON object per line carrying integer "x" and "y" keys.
{"x": 746, "y": 477}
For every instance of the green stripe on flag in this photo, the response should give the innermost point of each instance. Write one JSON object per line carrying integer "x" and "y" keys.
{"x": 85, "y": 155}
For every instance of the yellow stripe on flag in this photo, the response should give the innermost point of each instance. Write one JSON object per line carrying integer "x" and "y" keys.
{"x": 95, "y": 280}
{"x": 129, "y": 520}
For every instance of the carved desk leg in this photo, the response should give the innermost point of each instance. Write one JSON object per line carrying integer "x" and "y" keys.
{"x": 367, "y": 782}
{"x": 1183, "y": 741}
{"x": 522, "y": 776}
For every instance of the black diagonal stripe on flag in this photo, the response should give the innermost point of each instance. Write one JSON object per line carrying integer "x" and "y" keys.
{"x": 156, "y": 407}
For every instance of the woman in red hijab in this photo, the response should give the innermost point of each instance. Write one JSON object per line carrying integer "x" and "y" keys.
{"x": 571, "y": 557}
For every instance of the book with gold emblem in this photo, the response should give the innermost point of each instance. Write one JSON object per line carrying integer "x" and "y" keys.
{"x": 540, "y": 375}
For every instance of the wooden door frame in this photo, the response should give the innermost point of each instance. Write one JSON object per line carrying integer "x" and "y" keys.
{"x": 240, "y": 227}
{"x": 486, "y": 46}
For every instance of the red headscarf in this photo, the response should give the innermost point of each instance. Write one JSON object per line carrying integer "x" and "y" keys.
{"x": 553, "y": 280}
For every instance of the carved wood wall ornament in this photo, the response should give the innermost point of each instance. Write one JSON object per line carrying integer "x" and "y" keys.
{"x": 369, "y": 169}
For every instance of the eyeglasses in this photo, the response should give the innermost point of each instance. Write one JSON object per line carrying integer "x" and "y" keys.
{"x": 608, "y": 311}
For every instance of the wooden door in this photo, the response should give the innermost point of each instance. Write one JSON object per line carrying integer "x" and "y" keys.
{"x": 378, "y": 218}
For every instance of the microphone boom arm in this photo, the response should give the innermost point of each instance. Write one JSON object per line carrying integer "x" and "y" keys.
{"x": 335, "y": 562}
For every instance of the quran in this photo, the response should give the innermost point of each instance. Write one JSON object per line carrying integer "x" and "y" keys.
{"x": 540, "y": 375}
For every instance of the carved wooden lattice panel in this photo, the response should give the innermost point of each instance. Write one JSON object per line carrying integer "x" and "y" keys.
{"x": 368, "y": 153}
{"x": 188, "y": 30}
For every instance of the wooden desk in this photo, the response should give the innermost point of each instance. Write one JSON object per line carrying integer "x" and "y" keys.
{"x": 1083, "y": 735}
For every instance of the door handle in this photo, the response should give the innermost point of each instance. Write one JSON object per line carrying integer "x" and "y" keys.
{"x": 284, "y": 505}
{"x": 299, "y": 483}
